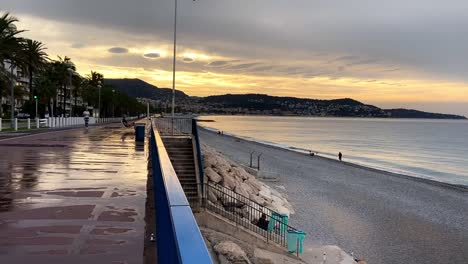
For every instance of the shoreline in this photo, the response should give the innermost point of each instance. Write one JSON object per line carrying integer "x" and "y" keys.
{"x": 360, "y": 209}
{"x": 458, "y": 187}
{"x": 346, "y": 117}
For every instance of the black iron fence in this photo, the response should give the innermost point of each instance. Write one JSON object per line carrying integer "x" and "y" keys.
{"x": 174, "y": 126}
{"x": 245, "y": 212}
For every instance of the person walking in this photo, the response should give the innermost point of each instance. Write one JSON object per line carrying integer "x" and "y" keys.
{"x": 340, "y": 156}
{"x": 86, "y": 117}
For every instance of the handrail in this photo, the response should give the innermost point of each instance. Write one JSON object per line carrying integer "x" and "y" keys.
{"x": 245, "y": 212}
{"x": 178, "y": 237}
{"x": 174, "y": 126}
{"x": 199, "y": 157}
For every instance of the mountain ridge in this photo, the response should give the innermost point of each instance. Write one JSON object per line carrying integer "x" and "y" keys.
{"x": 254, "y": 103}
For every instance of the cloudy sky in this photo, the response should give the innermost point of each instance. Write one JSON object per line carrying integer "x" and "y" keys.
{"x": 389, "y": 53}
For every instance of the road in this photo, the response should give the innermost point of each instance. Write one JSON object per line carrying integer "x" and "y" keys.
{"x": 380, "y": 217}
{"x": 73, "y": 196}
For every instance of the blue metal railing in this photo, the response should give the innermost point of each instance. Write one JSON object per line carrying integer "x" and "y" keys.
{"x": 199, "y": 157}
{"x": 178, "y": 237}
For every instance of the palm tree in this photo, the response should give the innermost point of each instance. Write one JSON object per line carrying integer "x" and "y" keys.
{"x": 34, "y": 58}
{"x": 9, "y": 47}
{"x": 46, "y": 85}
{"x": 62, "y": 69}
{"x": 96, "y": 80}
{"x": 77, "y": 83}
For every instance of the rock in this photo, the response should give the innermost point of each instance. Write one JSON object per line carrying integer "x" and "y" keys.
{"x": 243, "y": 189}
{"x": 212, "y": 175}
{"x": 228, "y": 181}
{"x": 265, "y": 194}
{"x": 231, "y": 251}
{"x": 256, "y": 185}
{"x": 241, "y": 173}
{"x": 212, "y": 196}
{"x": 257, "y": 199}
{"x": 279, "y": 208}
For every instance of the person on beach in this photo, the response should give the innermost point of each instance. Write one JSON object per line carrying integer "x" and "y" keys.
{"x": 86, "y": 117}
{"x": 263, "y": 222}
{"x": 340, "y": 156}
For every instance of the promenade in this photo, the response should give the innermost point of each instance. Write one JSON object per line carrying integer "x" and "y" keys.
{"x": 73, "y": 196}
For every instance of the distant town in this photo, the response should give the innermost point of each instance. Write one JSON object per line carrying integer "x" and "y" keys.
{"x": 260, "y": 104}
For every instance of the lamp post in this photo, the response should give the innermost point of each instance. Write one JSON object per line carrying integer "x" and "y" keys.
{"x": 35, "y": 99}
{"x": 99, "y": 100}
{"x": 12, "y": 94}
{"x": 174, "y": 59}
{"x": 113, "y": 107}
{"x": 70, "y": 72}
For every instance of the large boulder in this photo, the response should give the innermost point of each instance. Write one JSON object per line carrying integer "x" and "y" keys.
{"x": 257, "y": 199}
{"x": 213, "y": 175}
{"x": 228, "y": 181}
{"x": 241, "y": 173}
{"x": 231, "y": 251}
{"x": 212, "y": 196}
{"x": 243, "y": 189}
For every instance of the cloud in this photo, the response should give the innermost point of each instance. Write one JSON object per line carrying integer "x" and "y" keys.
{"x": 118, "y": 50}
{"x": 78, "y": 45}
{"x": 243, "y": 66}
{"x": 152, "y": 55}
{"x": 395, "y": 41}
{"x": 217, "y": 63}
{"x": 187, "y": 60}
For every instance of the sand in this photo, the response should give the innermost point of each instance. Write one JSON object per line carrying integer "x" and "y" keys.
{"x": 379, "y": 216}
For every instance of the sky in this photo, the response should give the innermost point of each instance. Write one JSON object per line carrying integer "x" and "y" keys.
{"x": 399, "y": 53}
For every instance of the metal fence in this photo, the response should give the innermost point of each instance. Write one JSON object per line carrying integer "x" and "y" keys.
{"x": 246, "y": 213}
{"x": 173, "y": 126}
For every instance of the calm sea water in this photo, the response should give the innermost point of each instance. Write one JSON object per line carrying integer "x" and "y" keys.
{"x": 434, "y": 149}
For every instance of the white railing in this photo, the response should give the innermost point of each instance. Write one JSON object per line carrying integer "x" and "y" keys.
{"x": 54, "y": 122}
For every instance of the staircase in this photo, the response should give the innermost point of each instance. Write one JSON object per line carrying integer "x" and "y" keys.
{"x": 180, "y": 151}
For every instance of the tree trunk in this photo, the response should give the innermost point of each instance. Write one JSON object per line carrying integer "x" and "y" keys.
{"x": 49, "y": 107}
{"x": 76, "y": 95}
{"x": 31, "y": 92}
{"x": 54, "y": 110}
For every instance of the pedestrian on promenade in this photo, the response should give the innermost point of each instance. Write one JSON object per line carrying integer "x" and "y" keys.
{"x": 340, "y": 156}
{"x": 86, "y": 117}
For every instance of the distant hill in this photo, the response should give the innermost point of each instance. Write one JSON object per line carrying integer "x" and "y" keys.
{"x": 265, "y": 104}
{"x": 139, "y": 88}
{"x": 409, "y": 113}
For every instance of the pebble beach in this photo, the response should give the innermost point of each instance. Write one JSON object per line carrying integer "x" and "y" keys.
{"x": 375, "y": 215}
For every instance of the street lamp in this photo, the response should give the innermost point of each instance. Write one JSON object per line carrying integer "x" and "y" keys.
{"x": 99, "y": 101}
{"x": 113, "y": 107}
{"x": 35, "y": 99}
{"x": 174, "y": 59}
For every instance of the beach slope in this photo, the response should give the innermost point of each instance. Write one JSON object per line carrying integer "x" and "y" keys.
{"x": 381, "y": 217}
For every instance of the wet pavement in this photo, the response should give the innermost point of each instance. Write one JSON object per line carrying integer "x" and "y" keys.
{"x": 75, "y": 196}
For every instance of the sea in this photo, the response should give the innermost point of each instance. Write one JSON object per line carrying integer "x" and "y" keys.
{"x": 423, "y": 148}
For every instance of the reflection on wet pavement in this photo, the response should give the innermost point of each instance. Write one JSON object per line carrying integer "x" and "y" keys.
{"x": 73, "y": 197}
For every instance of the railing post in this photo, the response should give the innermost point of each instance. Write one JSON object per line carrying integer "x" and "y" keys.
{"x": 29, "y": 123}
{"x": 38, "y": 125}
{"x": 15, "y": 124}
{"x": 0, "y": 124}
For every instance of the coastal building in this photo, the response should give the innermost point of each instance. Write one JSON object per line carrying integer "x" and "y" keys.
{"x": 21, "y": 83}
